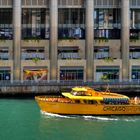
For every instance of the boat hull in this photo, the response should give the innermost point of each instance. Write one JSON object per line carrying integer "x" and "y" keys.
{"x": 87, "y": 109}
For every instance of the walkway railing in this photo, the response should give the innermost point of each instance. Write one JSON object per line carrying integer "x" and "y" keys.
{"x": 67, "y": 83}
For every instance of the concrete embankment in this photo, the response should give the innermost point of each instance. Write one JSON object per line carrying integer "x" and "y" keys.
{"x": 33, "y": 89}
{"x": 28, "y": 91}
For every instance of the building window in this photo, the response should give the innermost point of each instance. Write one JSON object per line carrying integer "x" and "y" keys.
{"x": 5, "y": 74}
{"x": 68, "y": 53}
{"x": 70, "y": 3}
{"x": 4, "y": 54}
{"x": 32, "y": 53}
{"x": 71, "y": 23}
{"x": 6, "y": 30}
{"x": 101, "y": 52}
{"x": 134, "y": 35}
{"x": 133, "y": 2}
{"x": 134, "y": 52}
{"x": 135, "y": 75}
{"x": 35, "y": 2}
{"x": 35, "y": 23}
{"x": 71, "y": 73}
{"x": 107, "y": 73}
{"x": 35, "y": 73}
{"x": 107, "y": 3}
{"x": 107, "y": 18}
{"x": 135, "y": 18}
{"x": 107, "y": 33}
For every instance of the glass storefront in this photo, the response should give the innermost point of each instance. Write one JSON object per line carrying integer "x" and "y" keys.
{"x": 35, "y": 23}
{"x": 71, "y": 23}
{"x": 71, "y": 73}
{"x": 35, "y": 73}
{"x": 107, "y": 73}
{"x": 6, "y": 29}
{"x": 5, "y": 74}
{"x": 135, "y": 75}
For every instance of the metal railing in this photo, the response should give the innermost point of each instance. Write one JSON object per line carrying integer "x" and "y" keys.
{"x": 68, "y": 83}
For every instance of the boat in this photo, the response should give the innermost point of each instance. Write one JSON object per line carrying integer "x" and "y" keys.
{"x": 87, "y": 101}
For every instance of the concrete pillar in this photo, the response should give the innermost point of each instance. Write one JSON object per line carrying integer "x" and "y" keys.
{"x": 125, "y": 19}
{"x": 33, "y": 22}
{"x": 16, "y": 39}
{"x": 47, "y": 19}
{"x": 53, "y": 38}
{"x": 89, "y": 39}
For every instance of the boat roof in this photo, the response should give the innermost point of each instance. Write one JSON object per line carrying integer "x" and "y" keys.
{"x": 69, "y": 95}
{"x": 91, "y": 94}
{"x": 79, "y": 89}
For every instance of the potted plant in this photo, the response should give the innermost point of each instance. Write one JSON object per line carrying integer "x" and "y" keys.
{"x": 101, "y": 39}
{"x": 35, "y": 59}
{"x": 104, "y": 77}
{"x": 108, "y": 59}
{"x": 134, "y": 38}
{"x": 32, "y": 38}
{"x": 2, "y": 39}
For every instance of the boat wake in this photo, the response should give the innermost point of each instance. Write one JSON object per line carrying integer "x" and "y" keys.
{"x": 86, "y": 117}
{"x": 101, "y": 118}
{"x": 77, "y": 116}
{"x": 55, "y": 115}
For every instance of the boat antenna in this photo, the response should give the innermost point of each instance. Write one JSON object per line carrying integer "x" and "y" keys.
{"x": 107, "y": 88}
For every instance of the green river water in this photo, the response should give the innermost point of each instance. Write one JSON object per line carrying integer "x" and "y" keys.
{"x": 22, "y": 120}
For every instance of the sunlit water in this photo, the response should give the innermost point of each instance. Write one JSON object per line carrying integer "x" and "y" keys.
{"x": 22, "y": 120}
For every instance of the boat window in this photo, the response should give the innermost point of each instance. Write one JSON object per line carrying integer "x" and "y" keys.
{"x": 102, "y": 102}
{"x": 90, "y": 101}
{"x": 115, "y": 101}
{"x": 79, "y": 93}
{"x": 77, "y": 101}
{"x": 73, "y": 92}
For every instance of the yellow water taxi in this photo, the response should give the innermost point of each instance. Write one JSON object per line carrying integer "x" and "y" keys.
{"x": 87, "y": 101}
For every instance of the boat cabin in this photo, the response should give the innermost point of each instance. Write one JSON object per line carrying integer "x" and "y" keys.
{"x": 89, "y": 96}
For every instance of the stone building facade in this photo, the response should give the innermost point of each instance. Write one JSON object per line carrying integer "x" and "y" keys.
{"x": 89, "y": 40}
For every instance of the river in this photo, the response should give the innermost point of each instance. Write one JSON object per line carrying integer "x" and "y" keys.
{"x": 21, "y": 119}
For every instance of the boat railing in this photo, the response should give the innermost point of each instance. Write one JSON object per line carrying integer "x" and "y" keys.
{"x": 135, "y": 100}
{"x": 59, "y": 99}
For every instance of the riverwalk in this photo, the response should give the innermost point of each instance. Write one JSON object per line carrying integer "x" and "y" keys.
{"x": 27, "y": 88}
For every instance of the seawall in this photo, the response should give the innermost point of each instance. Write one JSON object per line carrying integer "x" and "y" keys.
{"x": 46, "y": 88}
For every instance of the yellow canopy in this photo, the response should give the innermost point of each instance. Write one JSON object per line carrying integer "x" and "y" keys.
{"x": 69, "y": 95}
{"x": 79, "y": 89}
